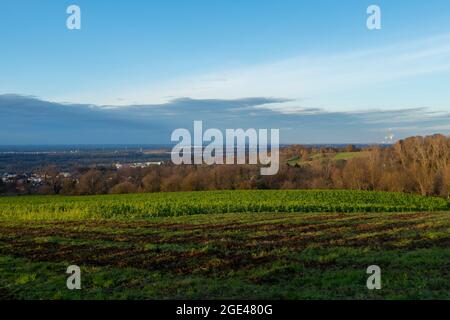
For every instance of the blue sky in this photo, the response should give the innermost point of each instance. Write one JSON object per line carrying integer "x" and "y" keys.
{"x": 301, "y": 58}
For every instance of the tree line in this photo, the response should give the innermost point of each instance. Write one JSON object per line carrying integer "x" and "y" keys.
{"x": 413, "y": 165}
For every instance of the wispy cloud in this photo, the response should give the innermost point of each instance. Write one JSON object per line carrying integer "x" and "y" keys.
{"x": 317, "y": 78}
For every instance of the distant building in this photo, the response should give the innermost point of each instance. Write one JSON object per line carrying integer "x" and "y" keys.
{"x": 64, "y": 174}
{"x": 137, "y": 164}
{"x": 35, "y": 179}
{"x": 9, "y": 177}
{"x": 118, "y": 165}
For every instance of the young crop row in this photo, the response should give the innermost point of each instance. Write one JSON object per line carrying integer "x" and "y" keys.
{"x": 238, "y": 201}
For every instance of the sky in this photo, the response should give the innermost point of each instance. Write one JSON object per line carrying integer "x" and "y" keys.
{"x": 139, "y": 69}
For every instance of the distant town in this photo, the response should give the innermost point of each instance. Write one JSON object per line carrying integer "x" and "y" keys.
{"x": 37, "y": 179}
{"x": 28, "y": 168}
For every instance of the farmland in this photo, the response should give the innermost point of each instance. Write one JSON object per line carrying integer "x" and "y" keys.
{"x": 327, "y": 156}
{"x": 212, "y": 202}
{"x": 226, "y": 244}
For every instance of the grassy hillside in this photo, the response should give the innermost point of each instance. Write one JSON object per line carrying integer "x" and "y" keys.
{"x": 327, "y": 156}
{"x": 187, "y": 203}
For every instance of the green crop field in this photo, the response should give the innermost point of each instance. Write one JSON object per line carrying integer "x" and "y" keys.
{"x": 187, "y": 203}
{"x": 226, "y": 245}
{"x": 331, "y": 156}
{"x": 350, "y": 155}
